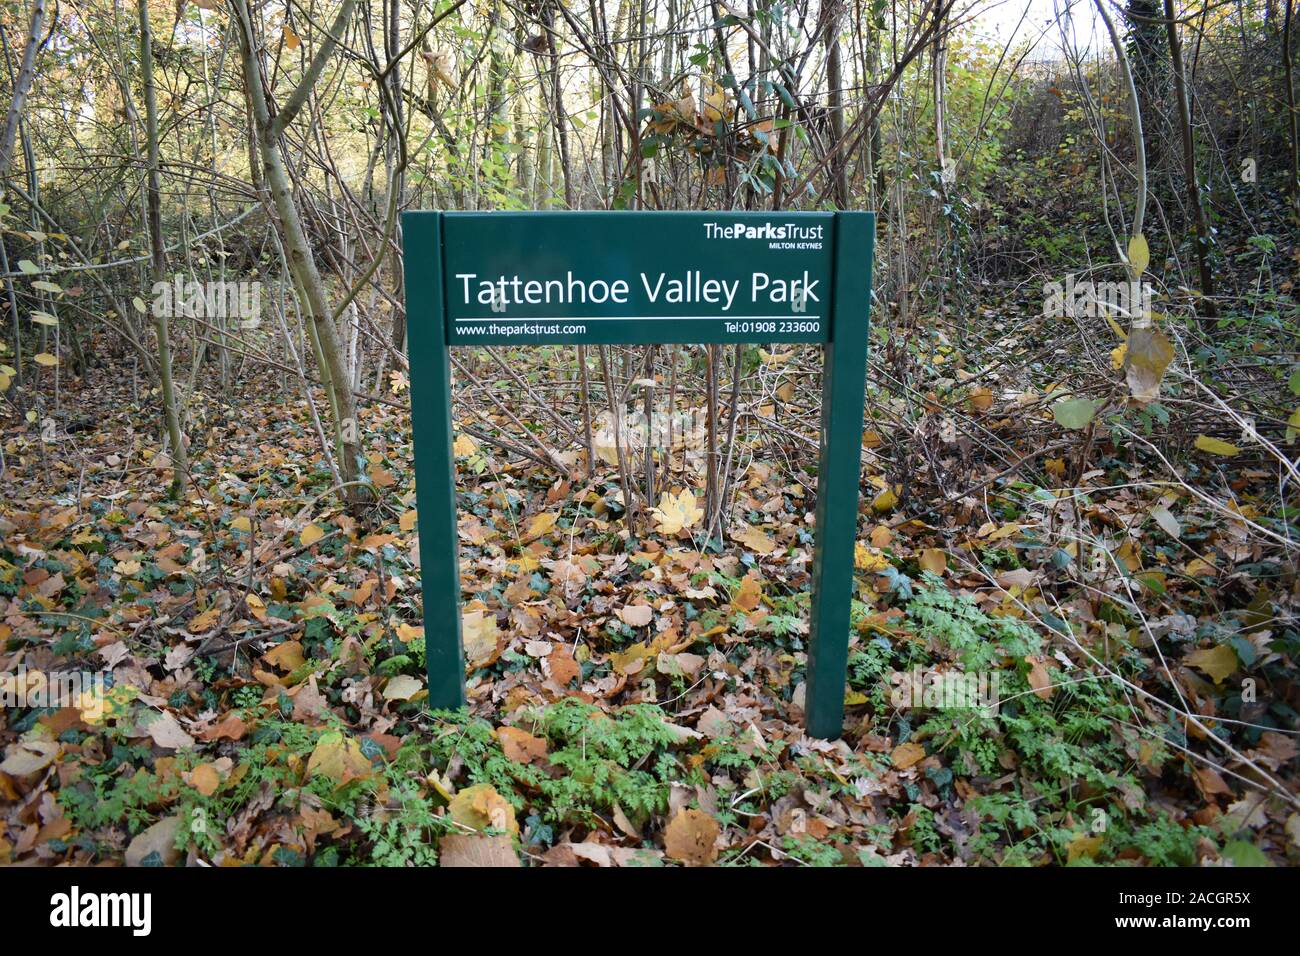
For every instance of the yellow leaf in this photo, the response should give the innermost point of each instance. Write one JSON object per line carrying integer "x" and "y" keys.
{"x": 1215, "y": 446}
{"x": 887, "y": 500}
{"x": 714, "y": 101}
{"x": 933, "y": 560}
{"x": 480, "y": 807}
{"x": 1139, "y": 256}
{"x": 481, "y": 634}
{"x": 1117, "y": 356}
{"x": 4, "y": 381}
{"x": 676, "y": 513}
{"x": 242, "y": 524}
{"x": 868, "y": 559}
{"x": 1148, "y": 354}
{"x": 407, "y": 521}
{"x": 755, "y": 539}
{"x": 631, "y": 660}
{"x": 46, "y": 359}
{"x": 339, "y": 758}
{"x": 310, "y": 535}
{"x": 1083, "y": 846}
{"x": 204, "y": 622}
{"x": 541, "y": 524}
{"x": 291, "y": 39}
{"x": 1217, "y": 662}
{"x": 1292, "y": 423}
{"x": 463, "y": 446}
{"x": 1006, "y": 531}
{"x": 981, "y": 399}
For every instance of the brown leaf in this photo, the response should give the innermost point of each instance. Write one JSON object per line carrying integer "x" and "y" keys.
{"x": 906, "y": 755}
{"x": 520, "y": 745}
{"x": 636, "y": 615}
{"x": 231, "y": 727}
{"x": 158, "y": 839}
{"x": 750, "y": 593}
{"x": 476, "y": 849}
{"x": 168, "y": 734}
{"x": 287, "y": 656}
{"x": 205, "y": 779}
{"x": 692, "y": 837}
{"x": 562, "y": 666}
{"x": 1040, "y": 679}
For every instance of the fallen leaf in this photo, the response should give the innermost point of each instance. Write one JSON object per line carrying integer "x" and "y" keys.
{"x": 1218, "y": 661}
{"x": 676, "y": 513}
{"x": 933, "y": 560}
{"x": 28, "y": 757}
{"x": 756, "y": 540}
{"x": 905, "y": 755}
{"x": 481, "y": 635}
{"x": 1215, "y": 446}
{"x": 402, "y": 687}
{"x": 1083, "y": 846}
{"x": 205, "y": 779}
{"x": 339, "y": 758}
{"x": 168, "y": 734}
{"x": 692, "y": 837}
{"x": 476, "y": 850}
{"x": 155, "y": 844}
{"x": 480, "y": 807}
{"x": 636, "y": 615}
{"x": 521, "y": 746}
{"x": 310, "y": 535}
{"x": 1040, "y": 678}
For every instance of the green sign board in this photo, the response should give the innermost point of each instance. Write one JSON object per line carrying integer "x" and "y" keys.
{"x": 592, "y": 278}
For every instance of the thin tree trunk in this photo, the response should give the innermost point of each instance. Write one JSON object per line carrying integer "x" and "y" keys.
{"x": 158, "y": 256}
{"x": 557, "y": 105}
{"x": 1293, "y": 120}
{"x": 298, "y": 251}
{"x": 835, "y": 97}
{"x": 22, "y": 86}
{"x": 1189, "y": 162}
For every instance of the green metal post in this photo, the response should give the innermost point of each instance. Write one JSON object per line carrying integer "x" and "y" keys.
{"x": 844, "y": 378}
{"x": 435, "y": 467}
